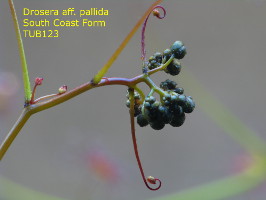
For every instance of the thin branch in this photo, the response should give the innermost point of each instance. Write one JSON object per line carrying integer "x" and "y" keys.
{"x": 37, "y": 107}
{"x": 34, "y": 108}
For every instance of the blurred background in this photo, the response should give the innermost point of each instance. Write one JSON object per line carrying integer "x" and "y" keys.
{"x": 82, "y": 149}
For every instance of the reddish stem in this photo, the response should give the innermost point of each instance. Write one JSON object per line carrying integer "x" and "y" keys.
{"x": 38, "y": 81}
{"x": 143, "y": 51}
{"x": 44, "y": 97}
{"x": 133, "y": 133}
{"x": 33, "y": 94}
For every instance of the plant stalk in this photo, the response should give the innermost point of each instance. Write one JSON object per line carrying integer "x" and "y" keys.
{"x": 25, "y": 74}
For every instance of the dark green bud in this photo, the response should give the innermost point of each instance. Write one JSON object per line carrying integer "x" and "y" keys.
{"x": 153, "y": 64}
{"x": 178, "y": 49}
{"x": 142, "y": 121}
{"x": 151, "y": 58}
{"x": 155, "y": 105}
{"x": 168, "y": 85}
{"x": 158, "y": 125}
{"x": 150, "y": 99}
{"x": 179, "y": 90}
{"x": 158, "y": 57}
{"x": 167, "y": 54}
{"x": 147, "y": 105}
{"x": 189, "y": 105}
{"x": 174, "y": 98}
{"x": 167, "y": 97}
{"x": 181, "y": 99}
{"x": 173, "y": 68}
{"x": 178, "y": 121}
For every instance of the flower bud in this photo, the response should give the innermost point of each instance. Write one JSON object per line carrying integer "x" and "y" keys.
{"x": 62, "y": 89}
{"x": 38, "y": 81}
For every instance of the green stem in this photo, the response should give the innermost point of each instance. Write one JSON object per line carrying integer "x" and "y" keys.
{"x": 25, "y": 115}
{"x": 151, "y": 92}
{"x": 153, "y": 86}
{"x": 25, "y": 74}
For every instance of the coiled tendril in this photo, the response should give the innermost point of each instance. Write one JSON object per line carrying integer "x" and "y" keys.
{"x": 149, "y": 179}
{"x": 156, "y": 13}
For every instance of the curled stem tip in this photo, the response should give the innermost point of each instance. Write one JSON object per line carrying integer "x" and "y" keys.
{"x": 149, "y": 179}
{"x": 157, "y": 14}
{"x": 97, "y": 78}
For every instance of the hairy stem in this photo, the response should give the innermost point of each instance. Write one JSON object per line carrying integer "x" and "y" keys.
{"x": 25, "y": 74}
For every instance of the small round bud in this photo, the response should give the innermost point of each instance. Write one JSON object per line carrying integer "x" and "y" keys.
{"x": 179, "y": 90}
{"x": 151, "y": 180}
{"x": 174, "y": 98}
{"x": 151, "y": 58}
{"x": 153, "y": 64}
{"x": 155, "y": 105}
{"x": 178, "y": 120}
{"x": 142, "y": 121}
{"x": 189, "y": 105}
{"x": 167, "y": 53}
{"x": 157, "y": 125}
{"x": 136, "y": 95}
{"x": 128, "y": 103}
{"x": 62, "y": 89}
{"x": 152, "y": 99}
{"x": 137, "y": 110}
{"x": 147, "y": 105}
{"x": 178, "y": 49}
{"x": 181, "y": 99}
{"x": 177, "y": 110}
{"x": 38, "y": 81}
{"x": 168, "y": 85}
{"x": 167, "y": 97}
{"x": 158, "y": 57}
{"x": 173, "y": 68}
{"x": 165, "y": 114}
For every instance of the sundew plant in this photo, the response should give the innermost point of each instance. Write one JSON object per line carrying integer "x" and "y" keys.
{"x": 164, "y": 105}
